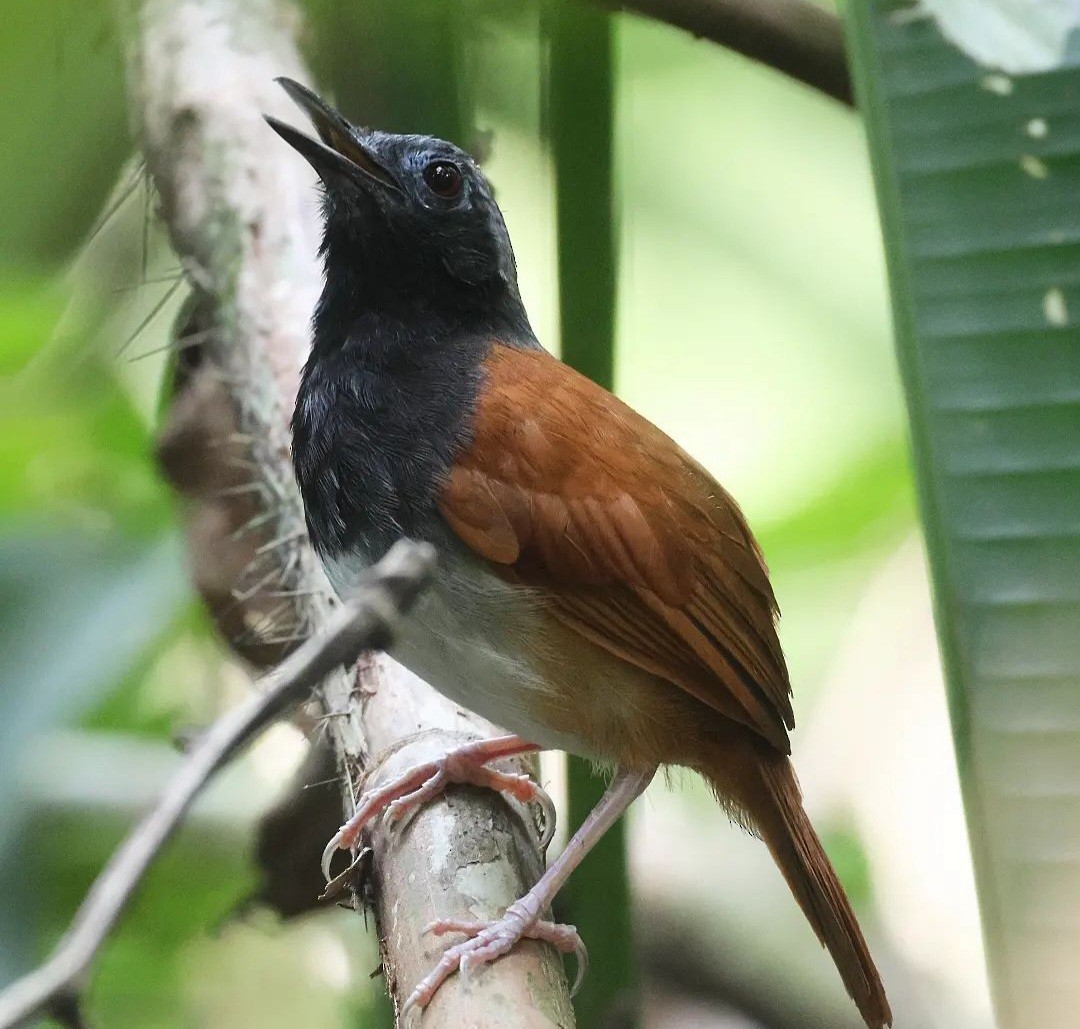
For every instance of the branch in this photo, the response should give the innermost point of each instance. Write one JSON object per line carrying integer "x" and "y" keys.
{"x": 240, "y": 211}
{"x": 368, "y": 622}
{"x": 796, "y": 37}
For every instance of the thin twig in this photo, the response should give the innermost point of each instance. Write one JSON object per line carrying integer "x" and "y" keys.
{"x": 796, "y": 37}
{"x": 367, "y": 622}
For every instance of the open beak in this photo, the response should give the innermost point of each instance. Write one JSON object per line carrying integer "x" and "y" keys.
{"x": 340, "y": 152}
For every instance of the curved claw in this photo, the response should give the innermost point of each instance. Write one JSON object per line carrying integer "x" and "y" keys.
{"x": 464, "y": 968}
{"x": 412, "y": 1012}
{"x": 329, "y": 851}
{"x": 547, "y": 806}
{"x": 581, "y": 957}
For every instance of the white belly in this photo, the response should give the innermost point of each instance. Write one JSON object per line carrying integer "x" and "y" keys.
{"x": 471, "y": 636}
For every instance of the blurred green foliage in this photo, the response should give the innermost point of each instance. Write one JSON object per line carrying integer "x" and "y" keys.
{"x": 65, "y": 128}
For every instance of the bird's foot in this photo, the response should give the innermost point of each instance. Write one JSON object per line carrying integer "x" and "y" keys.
{"x": 424, "y": 782}
{"x": 488, "y": 941}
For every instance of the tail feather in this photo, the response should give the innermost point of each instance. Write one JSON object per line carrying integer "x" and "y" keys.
{"x": 775, "y": 810}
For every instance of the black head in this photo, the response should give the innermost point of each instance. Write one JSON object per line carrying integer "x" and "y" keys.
{"x": 411, "y": 217}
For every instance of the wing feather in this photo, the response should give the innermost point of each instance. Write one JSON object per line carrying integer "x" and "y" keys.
{"x": 632, "y": 543}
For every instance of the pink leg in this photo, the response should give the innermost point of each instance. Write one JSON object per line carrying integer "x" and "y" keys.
{"x": 423, "y": 782}
{"x": 490, "y": 940}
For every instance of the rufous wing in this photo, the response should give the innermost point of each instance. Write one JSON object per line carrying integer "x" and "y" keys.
{"x": 634, "y": 545}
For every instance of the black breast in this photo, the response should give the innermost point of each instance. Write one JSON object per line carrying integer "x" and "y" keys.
{"x": 375, "y": 430}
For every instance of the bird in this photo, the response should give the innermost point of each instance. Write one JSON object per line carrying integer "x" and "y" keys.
{"x": 597, "y": 592}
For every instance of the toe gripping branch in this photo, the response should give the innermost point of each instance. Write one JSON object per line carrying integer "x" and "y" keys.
{"x": 409, "y": 791}
{"x": 489, "y": 940}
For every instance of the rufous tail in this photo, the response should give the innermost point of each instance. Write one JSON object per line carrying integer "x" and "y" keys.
{"x": 774, "y": 806}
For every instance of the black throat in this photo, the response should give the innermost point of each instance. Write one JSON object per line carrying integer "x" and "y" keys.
{"x": 385, "y": 402}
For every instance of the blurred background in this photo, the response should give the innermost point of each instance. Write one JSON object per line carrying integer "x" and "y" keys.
{"x": 751, "y": 324}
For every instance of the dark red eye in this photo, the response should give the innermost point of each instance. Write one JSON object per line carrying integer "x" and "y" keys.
{"x": 443, "y": 179}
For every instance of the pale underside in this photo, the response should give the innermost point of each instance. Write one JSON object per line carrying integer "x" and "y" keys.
{"x": 475, "y": 638}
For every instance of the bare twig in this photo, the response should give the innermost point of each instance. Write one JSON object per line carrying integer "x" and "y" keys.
{"x": 367, "y": 622}
{"x": 796, "y": 37}
{"x": 239, "y": 209}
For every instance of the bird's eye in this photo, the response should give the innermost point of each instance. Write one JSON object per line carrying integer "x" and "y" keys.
{"x": 444, "y": 179}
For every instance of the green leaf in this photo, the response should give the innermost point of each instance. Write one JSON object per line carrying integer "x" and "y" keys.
{"x": 63, "y": 123}
{"x": 580, "y": 121}
{"x": 978, "y": 179}
{"x": 581, "y": 98}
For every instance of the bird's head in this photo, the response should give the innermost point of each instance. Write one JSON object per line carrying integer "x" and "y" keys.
{"x": 409, "y": 215}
